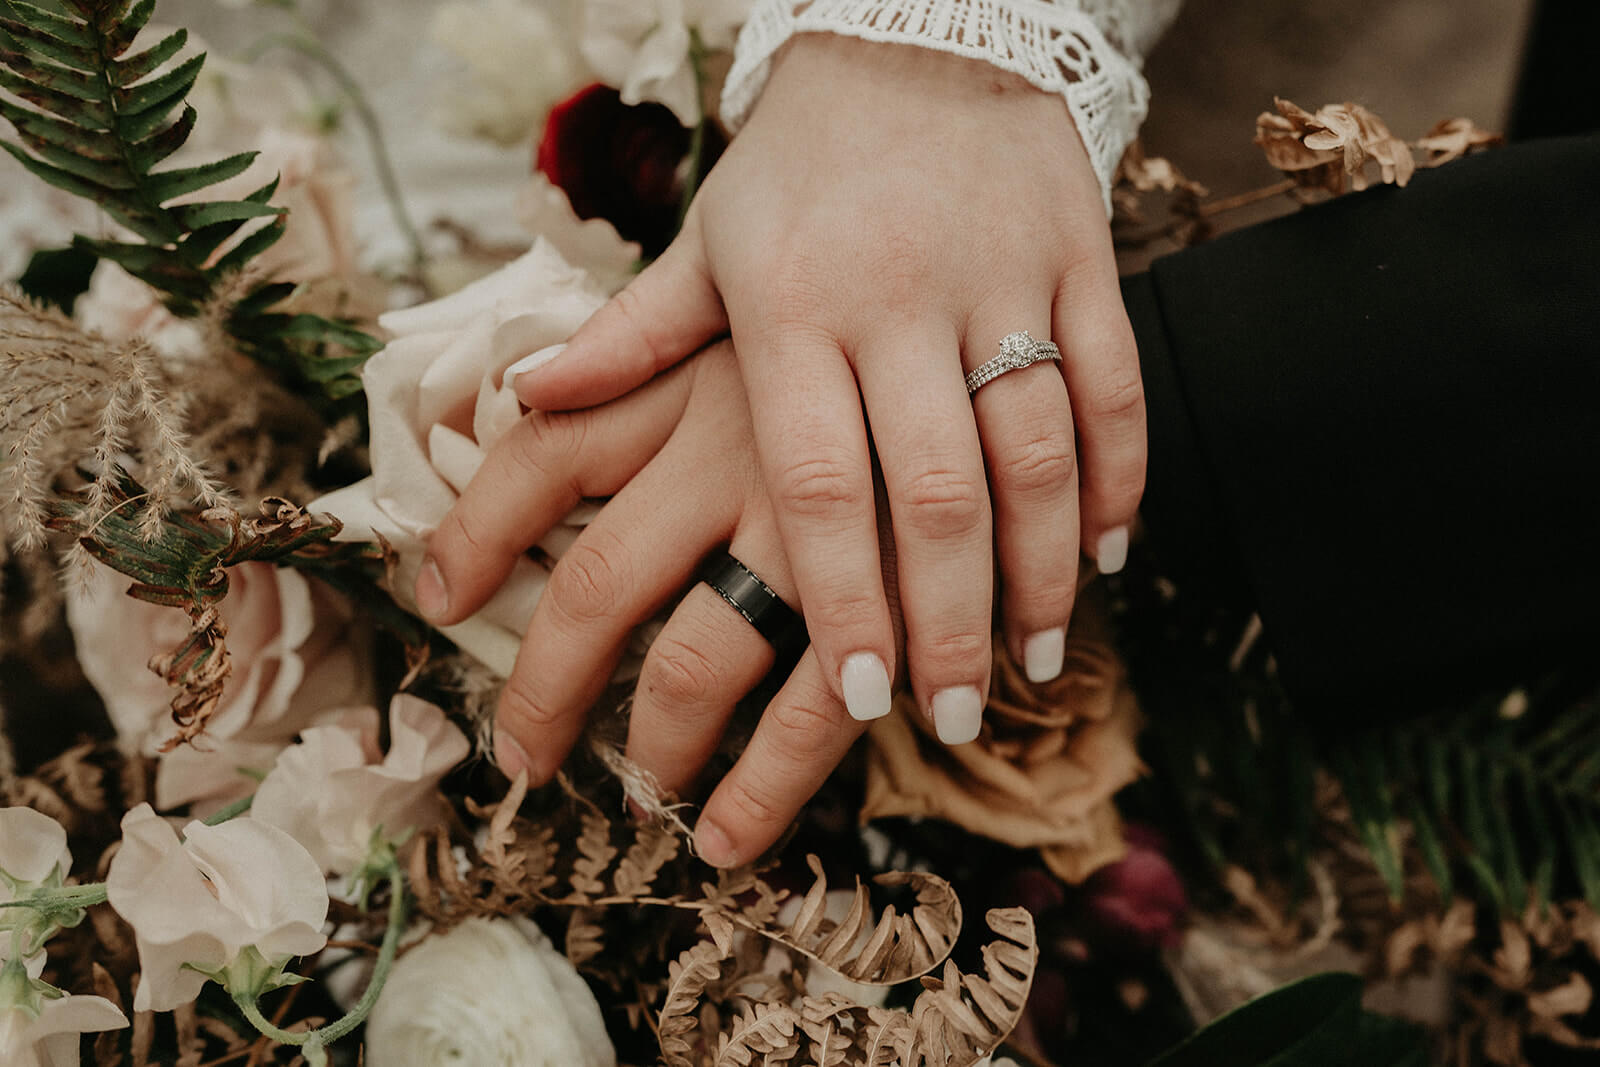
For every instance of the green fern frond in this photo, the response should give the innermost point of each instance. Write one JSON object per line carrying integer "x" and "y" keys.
{"x": 96, "y": 121}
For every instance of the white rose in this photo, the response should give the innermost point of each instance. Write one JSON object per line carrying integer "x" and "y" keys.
{"x": 592, "y": 245}
{"x": 297, "y": 651}
{"x": 438, "y": 396}
{"x": 33, "y": 855}
{"x": 43, "y": 1031}
{"x": 491, "y": 991}
{"x": 196, "y": 905}
{"x": 334, "y": 789}
{"x": 641, "y": 47}
{"x": 520, "y": 63}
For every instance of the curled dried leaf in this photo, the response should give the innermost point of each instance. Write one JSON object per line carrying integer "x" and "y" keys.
{"x": 1451, "y": 139}
{"x": 1330, "y": 149}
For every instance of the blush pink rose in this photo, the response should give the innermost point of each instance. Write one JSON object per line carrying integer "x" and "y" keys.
{"x": 298, "y": 651}
{"x": 334, "y": 789}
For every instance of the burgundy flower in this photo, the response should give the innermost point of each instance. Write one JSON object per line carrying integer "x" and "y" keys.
{"x": 1137, "y": 903}
{"x": 620, "y": 162}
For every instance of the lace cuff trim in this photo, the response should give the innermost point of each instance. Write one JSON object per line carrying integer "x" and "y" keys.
{"x": 1058, "y": 47}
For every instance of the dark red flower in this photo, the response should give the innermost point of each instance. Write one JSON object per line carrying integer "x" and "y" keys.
{"x": 620, "y": 162}
{"x": 1137, "y": 903}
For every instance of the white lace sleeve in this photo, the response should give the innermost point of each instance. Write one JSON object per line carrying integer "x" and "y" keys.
{"x": 1089, "y": 51}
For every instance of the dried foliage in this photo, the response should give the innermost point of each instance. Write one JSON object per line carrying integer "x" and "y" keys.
{"x": 1331, "y": 149}
{"x": 71, "y": 400}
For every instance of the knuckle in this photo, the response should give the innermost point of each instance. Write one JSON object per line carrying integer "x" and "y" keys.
{"x": 953, "y": 652}
{"x": 847, "y": 609}
{"x": 678, "y": 672}
{"x": 821, "y": 486}
{"x": 521, "y": 713}
{"x": 1041, "y": 463}
{"x": 754, "y": 805}
{"x": 548, "y": 438}
{"x": 586, "y": 585}
{"x": 632, "y": 319}
{"x": 804, "y": 728}
{"x": 1117, "y": 397}
{"x": 942, "y": 503}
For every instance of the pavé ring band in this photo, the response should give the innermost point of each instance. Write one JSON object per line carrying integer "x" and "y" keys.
{"x": 1017, "y": 350}
{"x": 741, "y": 587}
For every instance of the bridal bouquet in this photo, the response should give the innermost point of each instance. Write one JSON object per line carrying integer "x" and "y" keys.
{"x": 249, "y": 814}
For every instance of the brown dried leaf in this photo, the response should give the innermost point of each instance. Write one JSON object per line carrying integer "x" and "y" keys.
{"x": 679, "y": 1024}
{"x": 652, "y": 849}
{"x": 1450, "y": 139}
{"x": 765, "y": 1030}
{"x": 1571, "y": 997}
{"x": 1331, "y": 148}
{"x": 595, "y": 853}
{"x": 585, "y": 938}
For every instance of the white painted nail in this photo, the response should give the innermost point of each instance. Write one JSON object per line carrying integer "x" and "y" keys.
{"x": 1043, "y": 654}
{"x": 530, "y": 362}
{"x": 865, "y": 681}
{"x": 1111, "y": 553}
{"x": 957, "y": 714}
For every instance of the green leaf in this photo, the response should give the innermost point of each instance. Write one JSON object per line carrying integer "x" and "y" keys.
{"x": 38, "y": 128}
{"x": 42, "y": 41}
{"x": 125, "y": 72}
{"x": 70, "y": 30}
{"x": 248, "y": 249}
{"x": 75, "y": 84}
{"x": 171, "y": 184}
{"x": 1315, "y": 1022}
{"x": 58, "y": 276}
{"x": 146, "y": 153}
{"x": 160, "y": 94}
{"x": 90, "y": 114}
{"x": 134, "y": 18}
{"x": 199, "y": 216}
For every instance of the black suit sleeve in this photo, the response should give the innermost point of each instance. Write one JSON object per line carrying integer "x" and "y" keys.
{"x": 1382, "y": 414}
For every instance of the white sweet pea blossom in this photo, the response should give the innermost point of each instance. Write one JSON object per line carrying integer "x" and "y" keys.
{"x": 39, "y": 1025}
{"x": 489, "y": 991}
{"x": 335, "y": 788}
{"x": 641, "y": 47}
{"x": 439, "y": 396}
{"x": 33, "y": 855}
{"x": 218, "y": 904}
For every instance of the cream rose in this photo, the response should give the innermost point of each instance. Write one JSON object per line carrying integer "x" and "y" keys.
{"x": 198, "y": 904}
{"x": 490, "y": 991}
{"x": 439, "y": 396}
{"x": 641, "y": 47}
{"x": 297, "y": 652}
{"x": 335, "y": 788}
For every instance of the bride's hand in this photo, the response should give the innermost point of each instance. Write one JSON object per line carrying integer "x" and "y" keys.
{"x": 885, "y": 218}
{"x": 678, "y": 460}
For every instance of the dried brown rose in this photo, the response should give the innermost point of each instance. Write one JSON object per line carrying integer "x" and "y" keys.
{"x": 1330, "y": 149}
{"x": 1042, "y": 772}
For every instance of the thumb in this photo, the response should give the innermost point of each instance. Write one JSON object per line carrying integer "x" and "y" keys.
{"x": 670, "y": 311}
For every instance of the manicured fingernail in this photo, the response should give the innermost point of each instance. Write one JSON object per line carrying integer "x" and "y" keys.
{"x": 1043, "y": 654}
{"x": 1111, "y": 553}
{"x": 433, "y": 599}
{"x": 865, "y": 681}
{"x": 530, "y": 363}
{"x": 957, "y": 714}
{"x": 713, "y": 845}
{"x": 511, "y": 756}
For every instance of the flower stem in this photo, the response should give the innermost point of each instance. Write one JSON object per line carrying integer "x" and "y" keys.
{"x": 232, "y": 811}
{"x": 67, "y": 898}
{"x": 313, "y": 1042}
{"x": 307, "y": 45}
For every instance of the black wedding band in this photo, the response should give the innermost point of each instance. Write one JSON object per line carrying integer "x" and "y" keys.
{"x": 740, "y": 586}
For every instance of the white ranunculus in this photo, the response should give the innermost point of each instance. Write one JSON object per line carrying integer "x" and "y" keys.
{"x": 520, "y": 61}
{"x": 641, "y": 47}
{"x": 43, "y": 1031}
{"x": 33, "y": 855}
{"x": 491, "y": 991}
{"x": 438, "y": 396}
{"x": 197, "y": 904}
{"x": 335, "y": 788}
{"x": 297, "y": 651}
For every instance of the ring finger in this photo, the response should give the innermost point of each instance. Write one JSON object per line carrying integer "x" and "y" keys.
{"x": 1025, "y": 422}
{"x": 706, "y": 659}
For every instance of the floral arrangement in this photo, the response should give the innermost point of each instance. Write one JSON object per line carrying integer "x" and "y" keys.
{"x": 228, "y": 430}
